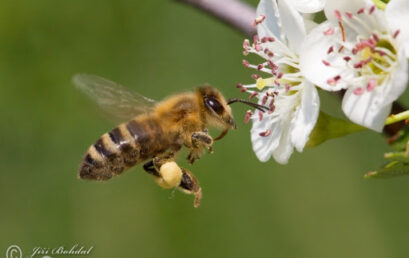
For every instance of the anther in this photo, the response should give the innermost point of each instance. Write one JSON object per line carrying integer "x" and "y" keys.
{"x": 395, "y": 35}
{"x": 360, "y": 11}
{"x": 245, "y": 63}
{"x": 371, "y": 84}
{"x": 347, "y": 58}
{"x": 264, "y": 100}
{"x": 338, "y": 15}
{"x": 260, "y": 116}
{"x": 247, "y": 116}
{"x": 239, "y": 85}
{"x": 331, "y": 49}
{"x": 326, "y": 63}
{"x": 372, "y": 9}
{"x": 266, "y": 133}
{"x": 255, "y": 76}
{"x": 259, "y": 19}
{"x": 252, "y": 95}
{"x": 329, "y": 31}
{"x": 358, "y": 91}
{"x": 287, "y": 87}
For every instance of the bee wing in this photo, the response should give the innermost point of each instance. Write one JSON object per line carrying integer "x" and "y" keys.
{"x": 112, "y": 97}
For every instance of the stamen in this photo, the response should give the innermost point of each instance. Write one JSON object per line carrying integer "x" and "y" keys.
{"x": 260, "y": 116}
{"x": 330, "y": 50}
{"x": 360, "y": 11}
{"x": 372, "y": 9}
{"x": 266, "y": 133}
{"x": 245, "y": 63}
{"x": 371, "y": 84}
{"x": 338, "y": 15}
{"x": 329, "y": 31}
{"x": 253, "y": 94}
{"x": 326, "y": 63}
{"x": 358, "y": 91}
{"x": 255, "y": 76}
{"x": 349, "y": 15}
{"x": 395, "y": 35}
{"x": 259, "y": 19}
{"x": 264, "y": 100}
{"x": 342, "y": 31}
{"x": 247, "y": 116}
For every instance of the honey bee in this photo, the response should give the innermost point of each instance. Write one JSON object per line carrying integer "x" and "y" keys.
{"x": 155, "y": 132}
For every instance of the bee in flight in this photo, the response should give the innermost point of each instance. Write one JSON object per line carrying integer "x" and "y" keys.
{"x": 154, "y": 132}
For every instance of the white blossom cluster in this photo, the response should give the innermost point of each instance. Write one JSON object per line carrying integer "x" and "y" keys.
{"x": 359, "y": 48}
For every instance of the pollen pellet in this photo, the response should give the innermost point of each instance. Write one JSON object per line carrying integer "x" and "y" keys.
{"x": 171, "y": 175}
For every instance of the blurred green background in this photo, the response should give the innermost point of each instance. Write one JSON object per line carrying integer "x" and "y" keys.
{"x": 318, "y": 205}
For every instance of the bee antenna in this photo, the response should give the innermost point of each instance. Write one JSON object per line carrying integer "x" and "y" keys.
{"x": 259, "y": 107}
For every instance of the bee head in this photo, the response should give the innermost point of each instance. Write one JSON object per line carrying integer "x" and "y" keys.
{"x": 217, "y": 112}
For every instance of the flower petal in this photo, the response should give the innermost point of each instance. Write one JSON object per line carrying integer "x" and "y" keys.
{"x": 398, "y": 19}
{"x": 264, "y": 146}
{"x": 293, "y": 25}
{"x": 364, "y": 110}
{"x": 344, "y": 6}
{"x": 314, "y": 51}
{"x": 269, "y": 9}
{"x": 308, "y": 6}
{"x": 372, "y": 108}
{"x": 284, "y": 150}
{"x": 399, "y": 79}
{"x": 305, "y": 116}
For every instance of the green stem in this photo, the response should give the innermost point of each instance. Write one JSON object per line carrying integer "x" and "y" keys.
{"x": 397, "y": 118}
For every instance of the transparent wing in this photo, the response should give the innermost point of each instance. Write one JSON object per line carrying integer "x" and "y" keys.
{"x": 113, "y": 98}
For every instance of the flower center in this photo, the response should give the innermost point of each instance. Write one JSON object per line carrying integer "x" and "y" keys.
{"x": 372, "y": 58}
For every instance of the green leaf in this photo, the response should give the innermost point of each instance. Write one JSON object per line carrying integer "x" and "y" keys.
{"x": 392, "y": 169}
{"x": 329, "y": 127}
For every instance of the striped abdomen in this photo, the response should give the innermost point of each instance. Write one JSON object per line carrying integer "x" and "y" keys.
{"x": 123, "y": 147}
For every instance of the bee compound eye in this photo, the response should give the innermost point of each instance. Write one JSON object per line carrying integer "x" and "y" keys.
{"x": 214, "y": 104}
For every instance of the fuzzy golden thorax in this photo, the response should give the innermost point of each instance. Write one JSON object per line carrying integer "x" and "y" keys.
{"x": 216, "y": 111}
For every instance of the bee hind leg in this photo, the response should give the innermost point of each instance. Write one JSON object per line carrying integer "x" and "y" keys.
{"x": 150, "y": 168}
{"x": 190, "y": 185}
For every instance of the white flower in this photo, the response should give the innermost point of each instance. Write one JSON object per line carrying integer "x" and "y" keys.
{"x": 293, "y": 101}
{"x": 307, "y": 6}
{"x": 364, "y": 50}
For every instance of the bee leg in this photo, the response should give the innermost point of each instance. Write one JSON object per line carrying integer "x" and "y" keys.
{"x": 200, "y": 140}
{"x": 158, "y": 161}
{"x": 150, "y": 168}
{"x": 190, "y": 185}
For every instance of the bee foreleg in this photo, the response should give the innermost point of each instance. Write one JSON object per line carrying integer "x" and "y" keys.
{"x": 190, "y": 185}
{"x": 200, "y": 140}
